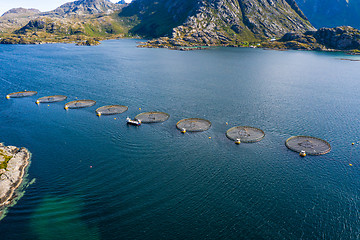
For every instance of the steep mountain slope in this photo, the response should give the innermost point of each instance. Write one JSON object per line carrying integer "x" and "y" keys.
{"x": 332, "y": 13}
{"x": 158, "y": 18}
{"x": 217, "y": 21}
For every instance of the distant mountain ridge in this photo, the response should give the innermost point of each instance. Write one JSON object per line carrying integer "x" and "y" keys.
{"x": 21, "y": 11}
{"x": 331, "y": 13}
{"x": 80, "y": 21}
{"x": 16, "y": 18}
{"x": 84, "y": 7}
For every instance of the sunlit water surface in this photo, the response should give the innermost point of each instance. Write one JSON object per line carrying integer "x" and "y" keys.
{"x": 97, "y": 178}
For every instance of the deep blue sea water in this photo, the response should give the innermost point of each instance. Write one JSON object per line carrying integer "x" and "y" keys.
{"x": 152, "y": 182}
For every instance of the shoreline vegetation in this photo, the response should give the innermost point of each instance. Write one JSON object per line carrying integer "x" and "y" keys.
{"x": 13, "y": 165}
{"x": 308, "y": 41}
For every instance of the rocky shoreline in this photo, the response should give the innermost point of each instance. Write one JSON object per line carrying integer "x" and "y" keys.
{"x": 340, "y": 39}
{"x": 345, "y": 39}
{"x": 13, "y": 164}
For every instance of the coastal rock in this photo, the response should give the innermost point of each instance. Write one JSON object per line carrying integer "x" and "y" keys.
{"x": 339, "y": 38}
{"x": 13, "y": 162}
{"x": 89, "y": 42}
{"x": 342, "y": 38}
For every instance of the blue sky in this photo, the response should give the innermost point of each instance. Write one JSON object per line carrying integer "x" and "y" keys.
{"x": 42, "y": 5}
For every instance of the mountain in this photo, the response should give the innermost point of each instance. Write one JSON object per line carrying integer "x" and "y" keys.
{"x": 84, "y": 20}
{"x": 213, "y": 22}
{"x": 331, "y": 13}
{"x": 16, "y": 18}
{"x": 20, "y": 12}
{"x": 78, "y": 10}
{"x": 84, "y": 7}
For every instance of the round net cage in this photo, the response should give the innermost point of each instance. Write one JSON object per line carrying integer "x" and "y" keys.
{"x": 51, "y": 99}
{"x": 152, "y": 117}
{"x": 311, "y": 145}
{"x": 246, "y": 134}
{"x": 193, "y": 124}
{"x": 21, "y": 94}
{"x": 111, "y": 110}
{"x": 80, "y": 104}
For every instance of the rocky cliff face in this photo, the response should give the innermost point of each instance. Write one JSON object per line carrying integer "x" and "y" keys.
{"x": 331, "y": 13}
{"x": 212, "y": 22}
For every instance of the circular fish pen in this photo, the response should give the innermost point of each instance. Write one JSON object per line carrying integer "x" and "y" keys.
{"x": 51, "y": 99}
{"x": 111, "y": 110}
{"x": 246, "y": 134}
{"x": 193, "y": 124}
{"x": 80, "y": 104}
{"x": 21, "y": 94}
{"x": 152, "y": 117}
{"x": 311, "y": 145}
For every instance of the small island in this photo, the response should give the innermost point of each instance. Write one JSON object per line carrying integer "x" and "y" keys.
{"x": 13, "y": 163}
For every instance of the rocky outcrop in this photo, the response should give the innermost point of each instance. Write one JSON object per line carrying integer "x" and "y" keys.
{"x": 13, "y": 162}
{"x": 218, "y": 22}
{"x": 89, "y": 42}
{"x": 339, "y": 38}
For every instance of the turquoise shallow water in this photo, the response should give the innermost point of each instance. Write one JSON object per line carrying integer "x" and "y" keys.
{"x": 152, "y": 182}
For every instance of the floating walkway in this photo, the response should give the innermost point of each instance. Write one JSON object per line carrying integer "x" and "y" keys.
{"x": 51, "y": 99}
{"x": 111, "y": 110}
{"x": 21, "y": 94}
{"x": 245, "y": 134}
{"x": 193, "y": 125}
{"x": 152, "y": 117}
{"x": 311, "y": 145}
{"x": 79, "y": 104}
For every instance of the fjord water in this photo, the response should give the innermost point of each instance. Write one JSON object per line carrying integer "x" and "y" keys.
{"x": 97, "y": 178}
